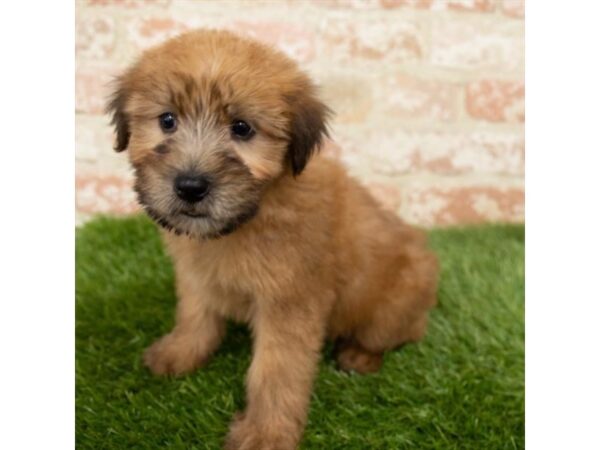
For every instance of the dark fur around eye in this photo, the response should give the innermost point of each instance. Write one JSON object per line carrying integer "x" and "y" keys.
{"x": 161, "y": 149}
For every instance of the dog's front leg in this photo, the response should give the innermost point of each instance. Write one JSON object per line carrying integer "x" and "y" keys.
{"x": 197, "y": 333}
{"x": 287, "y": 341}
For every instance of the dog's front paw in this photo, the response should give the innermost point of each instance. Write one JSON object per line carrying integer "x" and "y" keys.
{"x": 245, "y": 435}
{"x": 173, "y": 354}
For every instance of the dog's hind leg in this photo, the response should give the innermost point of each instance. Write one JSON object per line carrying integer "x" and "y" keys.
{"x": 399, "y": 318}
{"x": 363, "y": 353}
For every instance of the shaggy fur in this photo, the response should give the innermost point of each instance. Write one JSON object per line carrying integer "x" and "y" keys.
{"x": 284, "y": 242}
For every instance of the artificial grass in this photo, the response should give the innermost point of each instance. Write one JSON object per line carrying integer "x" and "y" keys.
{"x": 462, "y": 387}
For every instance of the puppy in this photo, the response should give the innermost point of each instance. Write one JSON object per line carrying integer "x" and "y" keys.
{"x": 222, "y": 134}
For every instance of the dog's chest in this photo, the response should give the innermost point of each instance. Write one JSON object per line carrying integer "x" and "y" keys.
{"x": 234, "y": 305}
{"x": 233, "y": 277}
{"x": 236, "y": 280}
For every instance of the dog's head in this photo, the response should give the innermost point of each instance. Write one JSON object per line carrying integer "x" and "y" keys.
{"x": 209, "y": 121}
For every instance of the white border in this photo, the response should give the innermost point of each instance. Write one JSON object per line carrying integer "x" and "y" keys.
{"x": 37, "y": 226}
{"x": 563, "y": 226}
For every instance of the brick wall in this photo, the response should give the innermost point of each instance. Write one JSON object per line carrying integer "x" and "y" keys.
{"x": 428, "y": 94}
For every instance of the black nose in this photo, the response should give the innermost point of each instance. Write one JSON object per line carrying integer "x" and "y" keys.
{"x": 191, "y": 188}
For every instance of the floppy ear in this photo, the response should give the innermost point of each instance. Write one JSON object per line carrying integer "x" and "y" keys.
{"x": 308, "y": 127}
{"x": 119, "y": 119}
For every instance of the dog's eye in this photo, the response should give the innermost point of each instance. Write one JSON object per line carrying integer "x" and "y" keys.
{"x": 241, "y": 130}
{"x": 168, "y": 122}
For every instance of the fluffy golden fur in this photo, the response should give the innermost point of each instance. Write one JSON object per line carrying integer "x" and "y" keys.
{"x": 284, "y": 240}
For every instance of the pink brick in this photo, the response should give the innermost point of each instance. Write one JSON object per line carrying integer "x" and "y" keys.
{"x": 372, "y": 40}
{"x": 93, "y": 138}
{"x": 104, "y": 194}
{"x": 496, "y": 101}
{"x": 402, "y": 152}
{"x": 147, "y": 32}
{"x": 350, "y": 96}
{"x": 344, "y": 4}
{"x": 422, "y": 4}
{"x": 441, "y": 5}
{"x": 93, "y": 87}
{"x": 485, "y": 44}
{"x": 95, "y": 37}
{"x": 469, "y": 5}
{"x": 129, "y": 3}
{"x": 296, "y": 41}
{"x": 514, "y": 8}
{"x": 406, "y": 97}
{"x": 438, "y": 206}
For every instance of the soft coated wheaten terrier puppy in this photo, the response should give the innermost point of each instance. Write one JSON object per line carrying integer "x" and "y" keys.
{"x": 222, "y": 134}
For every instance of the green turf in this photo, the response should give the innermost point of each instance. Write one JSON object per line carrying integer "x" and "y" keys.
{"x": 462, "y": 387}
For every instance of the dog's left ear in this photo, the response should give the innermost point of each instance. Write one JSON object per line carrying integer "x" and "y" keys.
{"x": 308, "y": 127}
{"x": 119, "y": 119}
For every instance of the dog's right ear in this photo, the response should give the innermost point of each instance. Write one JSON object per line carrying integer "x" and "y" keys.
{"x": 119, "y": 119}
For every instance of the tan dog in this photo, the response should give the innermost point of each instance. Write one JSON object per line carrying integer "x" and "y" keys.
{"x": 220, "y": 131}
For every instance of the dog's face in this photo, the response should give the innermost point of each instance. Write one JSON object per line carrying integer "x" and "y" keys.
{"x": 209, "y": 121}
